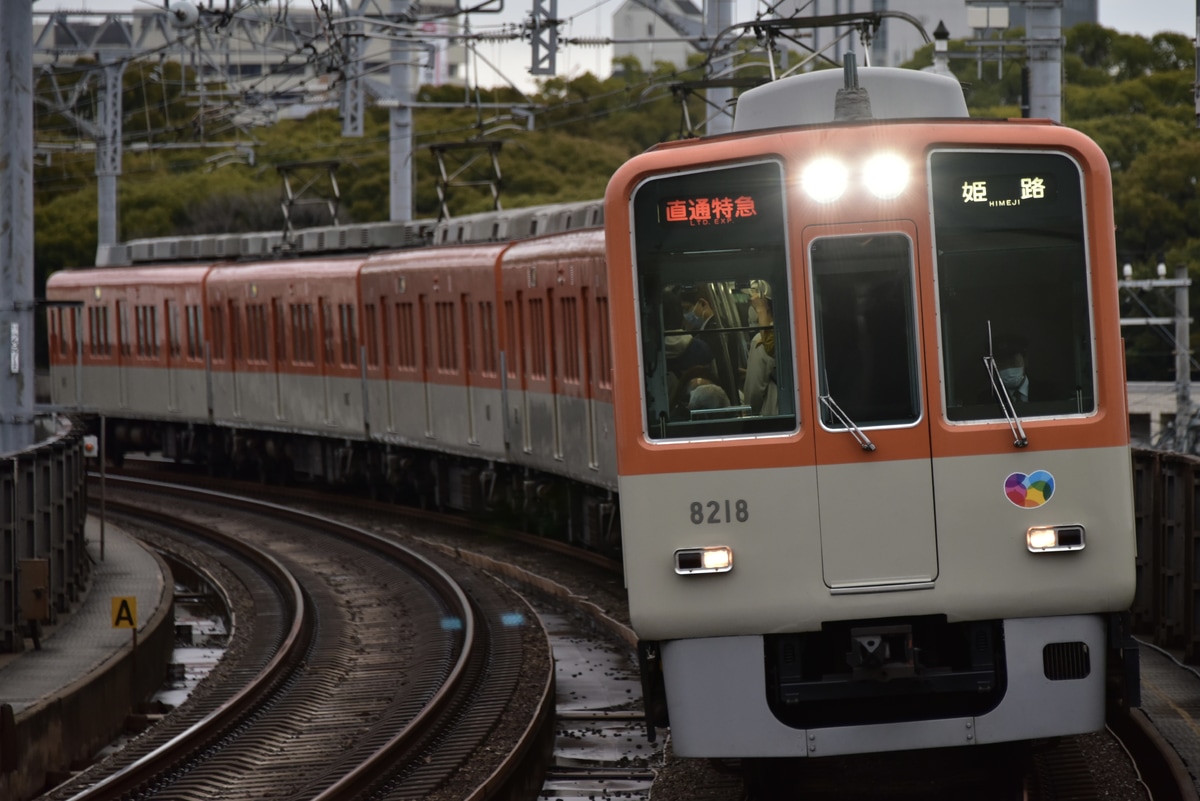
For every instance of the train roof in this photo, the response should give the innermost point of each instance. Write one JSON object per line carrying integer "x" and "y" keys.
{"x": 502, "y": 225}
{"x": 333, "y": 266}
{"x": 143, "y": 275}
{"x": 809, "y": 99}
{"x": 483, "y": 254}
{"x": 575, "y": 243}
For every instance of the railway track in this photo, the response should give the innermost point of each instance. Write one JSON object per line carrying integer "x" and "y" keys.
{"x": 387, "y": 678}
{"x": 1056, "y": 769}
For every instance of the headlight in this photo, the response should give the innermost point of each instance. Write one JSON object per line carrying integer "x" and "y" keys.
{"x": 885, "y": 175}
{"x": 714, "y": 559}
{"x": 824, "y": 180}
{"x": 1041, "y": 539}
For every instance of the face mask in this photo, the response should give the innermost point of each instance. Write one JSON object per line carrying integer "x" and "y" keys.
{"x": 691, "y": 319}
{"x": 753, "y": 316}
{"x": 1012, "y": 377}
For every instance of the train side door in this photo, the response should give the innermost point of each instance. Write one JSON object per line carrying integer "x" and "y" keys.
{"x": 872, "y": 429}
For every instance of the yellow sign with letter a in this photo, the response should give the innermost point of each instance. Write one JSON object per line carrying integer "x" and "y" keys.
{"x": 124, "y": 612}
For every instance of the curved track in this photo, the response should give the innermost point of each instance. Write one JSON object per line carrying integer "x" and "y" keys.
{"x": 1052, "y": 768}
{"x": 387, "y": 677}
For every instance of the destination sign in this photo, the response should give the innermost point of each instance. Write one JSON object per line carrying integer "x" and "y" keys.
{"x": 1007, "y": 190}
{"x": 719, "y": 208}
{"x": 709, "y": 210}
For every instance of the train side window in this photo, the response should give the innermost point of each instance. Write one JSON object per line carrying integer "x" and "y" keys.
{"x": 487, "y": 331}
{"x": 304, "y": 349}
{"x": 142, "y": 328}
{"x": 217, "y": 314}
{"x": 1012, "y": 278}
{"x": 235, "y": 331}
{"x": 195, "y": 334}
{"x": 174, "y": 347}
{"x": 279, "y": 327}
{"x": 105, "y": 341}
{"x": 406, "y": 337}
{"x": 604, "y": 351}
{"x": 98, "y": 330}
{"x": 348, "y": 332}
{"x": 714, "y": 317}
{"x": 124, "y": 346}
{"x": 371, "y": 335}
{"x": 326, "y": 321}
{"x": 447, "y": 341}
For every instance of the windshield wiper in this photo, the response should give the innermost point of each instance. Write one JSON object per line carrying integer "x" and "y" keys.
{"x": 845, "y": 420}
{"x": 1006, "y": 404}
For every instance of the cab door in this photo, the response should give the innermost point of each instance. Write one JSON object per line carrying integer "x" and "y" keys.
{"x": 872, "y": 430}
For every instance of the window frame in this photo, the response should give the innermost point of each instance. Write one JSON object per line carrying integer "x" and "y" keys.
{"x": 657, "y": 270}
{"x": 914, "y": 333}
{"x": 1081, "y": 281}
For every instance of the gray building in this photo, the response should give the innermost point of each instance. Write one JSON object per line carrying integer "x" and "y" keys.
{"x": 896, "y": 41}
{"x": 291, "y": 58}
{"x": 634, "y": 24}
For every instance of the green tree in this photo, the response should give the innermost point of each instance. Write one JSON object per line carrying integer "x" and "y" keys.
{"x": 1134, "y": 96}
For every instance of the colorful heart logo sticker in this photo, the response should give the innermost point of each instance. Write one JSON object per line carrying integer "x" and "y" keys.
{"x": 1029, "y": 491}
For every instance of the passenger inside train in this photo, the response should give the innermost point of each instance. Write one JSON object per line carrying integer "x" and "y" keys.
{"x": 686, "y": 265}
{"x": 720, "y": 362}
{"x": 760, "y": 391}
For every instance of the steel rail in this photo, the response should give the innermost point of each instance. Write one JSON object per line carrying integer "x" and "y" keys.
{"x": 291, "y": 650}
{"x": 399, "y": 749}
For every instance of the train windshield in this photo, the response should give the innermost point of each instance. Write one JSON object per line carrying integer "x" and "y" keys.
{"x": 715, "y": 322}
{"x": 1013, "y": 290}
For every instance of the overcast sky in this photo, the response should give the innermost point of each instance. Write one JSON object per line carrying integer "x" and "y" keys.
{"x": 593, "y": 18}
{"x": 1148, "y": 17}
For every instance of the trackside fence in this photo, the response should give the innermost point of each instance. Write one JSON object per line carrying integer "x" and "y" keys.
{"x": 1166, "y": 608}
{"x": 44, "y": 566}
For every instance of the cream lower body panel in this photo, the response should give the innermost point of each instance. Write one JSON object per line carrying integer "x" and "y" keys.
{"x": 717, "y": 698}
{"x": 980, "y": 569}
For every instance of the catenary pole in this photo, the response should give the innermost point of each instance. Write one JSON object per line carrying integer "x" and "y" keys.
{"x": 108, "y": 154}
{"x": 16, "y": 225}
{"x": 1183, "y": 361}
{"x": 1043, "y": 22}
{"x": 400, "y": 122}
{"x": 717, "y": 17}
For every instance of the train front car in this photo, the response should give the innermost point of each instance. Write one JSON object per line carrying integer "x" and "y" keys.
{"x": 872, "y": 443}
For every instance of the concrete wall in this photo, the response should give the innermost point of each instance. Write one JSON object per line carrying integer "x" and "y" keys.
{"x": 46, "y": 740}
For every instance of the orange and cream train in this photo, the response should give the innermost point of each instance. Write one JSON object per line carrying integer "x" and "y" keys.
{"x": 857, "y": 384}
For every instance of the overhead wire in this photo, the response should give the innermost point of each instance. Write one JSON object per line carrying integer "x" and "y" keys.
{"x": 237, "y": 32}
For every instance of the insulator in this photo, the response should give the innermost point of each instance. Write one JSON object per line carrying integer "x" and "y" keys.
{"x": 589, "y": 41}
